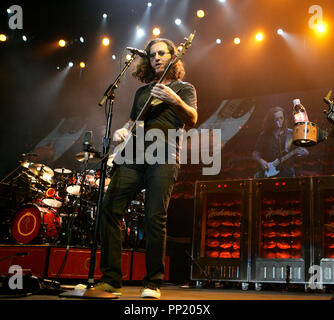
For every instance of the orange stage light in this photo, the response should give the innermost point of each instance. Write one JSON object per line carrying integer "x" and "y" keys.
{"x": 62, "y": 43}
{"x": 259, "y": 36}
{"x": 106, "y": 41}
{"x": 200, "y": 13}
{"x": 3, "y": 37}
{"x": 321, "y": 28}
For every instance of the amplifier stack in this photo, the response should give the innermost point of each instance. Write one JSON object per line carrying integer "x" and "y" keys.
{"x": 263, "y": 230}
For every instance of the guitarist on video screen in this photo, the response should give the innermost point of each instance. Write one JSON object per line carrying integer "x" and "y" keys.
{"x": 274, "y": 149}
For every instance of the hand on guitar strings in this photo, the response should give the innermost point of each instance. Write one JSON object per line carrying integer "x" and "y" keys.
{"x": 120, "y": 134}
{"x": 264, "y": 164}
{"x": 165, "y": 94}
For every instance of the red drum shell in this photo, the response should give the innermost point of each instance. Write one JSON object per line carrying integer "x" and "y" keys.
{"x": 32, "y": 220}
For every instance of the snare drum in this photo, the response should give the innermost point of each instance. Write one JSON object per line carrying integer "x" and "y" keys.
{"x": 31, "y": 221}
{"x": 305, "y": 134}
{"x": 76, "y": 181}
{"x": 52, "y": 199}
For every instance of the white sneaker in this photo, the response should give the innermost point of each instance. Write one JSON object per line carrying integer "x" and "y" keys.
{"x": 151, "y": 293}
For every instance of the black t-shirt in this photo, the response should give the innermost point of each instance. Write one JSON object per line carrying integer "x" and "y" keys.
{"x": 163, "y": 116}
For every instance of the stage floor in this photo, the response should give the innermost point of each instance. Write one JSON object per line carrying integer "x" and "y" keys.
{"x": 171, "y": 292}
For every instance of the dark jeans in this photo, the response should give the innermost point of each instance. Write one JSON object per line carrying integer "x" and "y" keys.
{"x": 127, "y": 182}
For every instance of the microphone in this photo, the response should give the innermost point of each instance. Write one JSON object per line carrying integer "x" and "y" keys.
{"x": 87, "y": 144}
{"x": 87, "y": 141}
{"x": 141, "y": 53}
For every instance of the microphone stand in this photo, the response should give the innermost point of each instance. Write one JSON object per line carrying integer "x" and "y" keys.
{"x": 108, "y": 98}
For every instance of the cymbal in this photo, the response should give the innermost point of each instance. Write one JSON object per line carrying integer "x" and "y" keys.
{"x": 63, "y": 170}
{"x": 39, "y": 169}
{"x": 91, "y": 157}
{"x": 26, "y": 164}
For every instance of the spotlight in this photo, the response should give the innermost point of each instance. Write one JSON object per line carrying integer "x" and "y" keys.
{"x": 82, "y": 65}
{"x": 70, "y": 64}
{"x": 280, "y": 32}
{"x": 104, "y": 16}
{"x": 113, "y": 57}
{"x": 321, "y": 28}
{"x": 178, "y": 21}
{"x": 259, "y": 36}
{"x": 24, "y": 38}
{"x": 236, "y": 40}
{"x": 82, "y": 40}
{"x": 222, "y": 1}
{"x": 128, "y": 57}
{"x": 8, "y": 11}
{"x": 106, "y": 41}
{"x": 62, "y": 43}
{"x": 200, "y": 13}
{"x": 3, "y": 37}
{"x": 218, "y": 41}
{"x": 58, "y": 67}
{"x": 149, "y": 4}
{"x": 140, "y": 32}
{"x": 156, "y": 32}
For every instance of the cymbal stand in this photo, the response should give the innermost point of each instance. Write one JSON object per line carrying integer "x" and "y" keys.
{"x": 12, "y": 172}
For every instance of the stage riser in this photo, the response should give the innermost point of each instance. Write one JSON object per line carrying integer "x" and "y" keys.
{"x": 46, "y": 261}
{"x": 35, "y": 262}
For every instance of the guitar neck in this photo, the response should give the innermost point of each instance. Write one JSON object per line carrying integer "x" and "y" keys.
{"x": 289, "y": 155}
{"x": 147, "y": 104}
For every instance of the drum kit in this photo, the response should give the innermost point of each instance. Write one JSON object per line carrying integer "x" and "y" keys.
{"x": 58, "y": 206}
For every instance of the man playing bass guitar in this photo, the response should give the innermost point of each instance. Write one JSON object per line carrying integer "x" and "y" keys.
{"x": 175, "y": 107}
{"x": 274, "y": 148}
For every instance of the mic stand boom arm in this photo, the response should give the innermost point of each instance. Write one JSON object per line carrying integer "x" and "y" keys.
{"x": 107, "y": 98}
{"x": 109, "y": 94}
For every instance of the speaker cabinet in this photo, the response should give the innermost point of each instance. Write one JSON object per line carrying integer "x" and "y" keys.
{"x": 220, "y": 238}
{"x": 280, "y": 230}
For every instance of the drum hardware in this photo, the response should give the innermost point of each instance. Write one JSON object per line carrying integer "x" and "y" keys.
{"x": 62, "y": 170}
{"x": 133, "y": 224}
{"x": 92, "y": 157}
{"x": 38, "y": 169}
{"x": 52, "y": 198}
{"x": 37, "y": 172}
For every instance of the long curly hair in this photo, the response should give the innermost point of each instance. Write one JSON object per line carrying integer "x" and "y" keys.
{"x": 269, "y": 123}
{"x": 144, "y": 72}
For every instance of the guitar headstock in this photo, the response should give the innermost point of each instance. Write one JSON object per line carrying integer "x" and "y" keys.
{"x": 182, "y": 48}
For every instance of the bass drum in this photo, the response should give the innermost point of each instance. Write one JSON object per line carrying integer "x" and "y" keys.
{"x": 32, "y": 221}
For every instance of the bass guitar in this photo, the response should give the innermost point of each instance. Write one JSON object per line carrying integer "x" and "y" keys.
{"x": 273, "y": 166}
